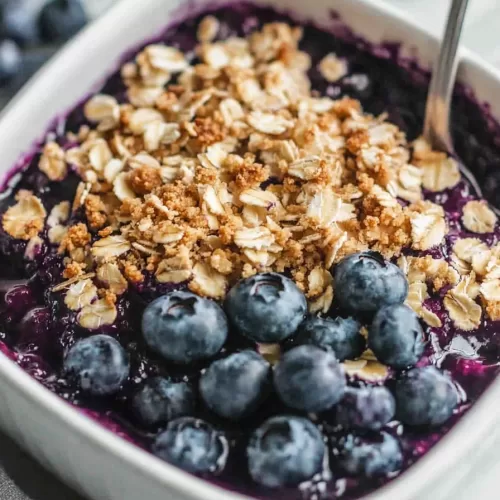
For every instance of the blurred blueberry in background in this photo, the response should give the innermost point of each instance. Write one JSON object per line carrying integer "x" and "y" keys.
{"x": 10, "y": 60}
{"x": 19, "y": 20}
{"x": 61, "y": 19}
{"x": 31, "y": 31}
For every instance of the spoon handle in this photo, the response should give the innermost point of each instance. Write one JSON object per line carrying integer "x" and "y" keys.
{"x": 437, "y": 113}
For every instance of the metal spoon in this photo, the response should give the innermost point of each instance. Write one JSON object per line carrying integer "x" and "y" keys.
{"x": 437, "y": 111}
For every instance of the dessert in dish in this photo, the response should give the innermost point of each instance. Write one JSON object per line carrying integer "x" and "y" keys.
{"x": 240, "y": 256}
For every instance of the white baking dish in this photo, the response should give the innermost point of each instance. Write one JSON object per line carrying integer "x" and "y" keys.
{"x": 88, "y": 457}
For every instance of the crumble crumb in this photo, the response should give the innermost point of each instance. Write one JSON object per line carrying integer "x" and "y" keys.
{"x": 26, "y": 218}
{"x": 460, "y": 303}
{"x": 77, "y": 236}
{"x": 493, "y": 310}
{"x": 109, "y": 297}
{"x": 132, "y": 273}
{"x": 332, "y": 68}
{"x": 222, "y": 261}
{"x": 95, "y": 211}
{"x": 80, "y": 294}
{"x": 478, "y": 217}
{"x": 98, "y": 313}
{"x": 417, "y": 294}
{"x": 73, "y": 269}
{"x": 429, "y": 269}
{"x": 207, "y": 132}
{"x": 208, "y": 29}
{"x": 106, "y": 231}
{"x": 53, "y": 162}
{"x": 144, "y": 179}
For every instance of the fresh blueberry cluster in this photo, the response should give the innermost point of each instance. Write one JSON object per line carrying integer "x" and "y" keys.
{"x": 185, "y": 329}
{"x": 27, "y": 24}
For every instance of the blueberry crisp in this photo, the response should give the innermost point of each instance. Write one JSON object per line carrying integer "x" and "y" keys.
{"x": 240, "y": 256}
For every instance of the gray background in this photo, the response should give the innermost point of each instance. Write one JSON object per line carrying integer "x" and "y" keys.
{"x": 23, "y": 479}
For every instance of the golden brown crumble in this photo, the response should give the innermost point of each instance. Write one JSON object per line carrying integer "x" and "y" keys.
{"x": 106, "y": 231}
{"x": 166, "y": 101}
{"x": 493, "y": 310}
{"x": 77, "y": 237}
{"x": 239, "y": 168}
{"x": 25, "y": 219}
{"x": 248, "y": 174}
{"x": 95, "y": 211}
{"x": 207, "y": 131}
{"x": 208, "y": 28}
{"x": 52, "y": 162}
{"x": 132, "y": 273}
{"x": 108, "y": 296}
{"x": 222, "y": 261}
{"x": 73, "y": 269}
{"x": 144, "y": 179}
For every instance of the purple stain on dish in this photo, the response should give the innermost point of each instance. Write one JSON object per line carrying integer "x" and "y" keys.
{"x": 8, "y": 352}
{"x": 37, "y": 328}
{"x": 111, "y": 424}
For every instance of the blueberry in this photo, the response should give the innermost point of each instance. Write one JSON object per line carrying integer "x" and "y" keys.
{"x": 309, "y": 379}
{"x": 32, "y": 61}
{"x": 235, "y": 386}
{"x": 266, "y": 307}
{"x": 365, "y": 282}
{"x": 366, "y": 408}
{"x": 425, "y": 396}
{"x": 61, "y": 19}
{"x": 160, "y": 400}
{"x": 192, "y": 445}
{"x": 36, "y": 331}
{"x": 396, "y": 337}
{"x": 285, "y": 451}
{"x": 20, "y": 299}
{"x": 183, "y": 327}
{"x": 10, "y": 60}
{"x": 370, "y": 454}
{"x": 339, "y": 335}
{"x": 98, "y": 364}
{"x": 18, "y": 20}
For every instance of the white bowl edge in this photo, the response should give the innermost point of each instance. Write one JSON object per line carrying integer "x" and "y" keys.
{"x": 19, "y": 390}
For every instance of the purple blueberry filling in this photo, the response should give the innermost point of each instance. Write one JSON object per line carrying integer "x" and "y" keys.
{"x": 252, "y": 443}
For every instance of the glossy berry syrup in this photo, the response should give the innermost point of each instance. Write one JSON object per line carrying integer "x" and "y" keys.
{"x": 36, "y": 329}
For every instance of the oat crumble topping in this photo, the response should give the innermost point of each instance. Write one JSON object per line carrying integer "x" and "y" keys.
{"x": 25, "y": 219}
{"x": 332, "y": 68}
{"x": 238, "y": 168}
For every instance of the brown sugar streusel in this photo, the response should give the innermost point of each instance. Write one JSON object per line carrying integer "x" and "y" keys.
{"x": 219, "y": 170}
